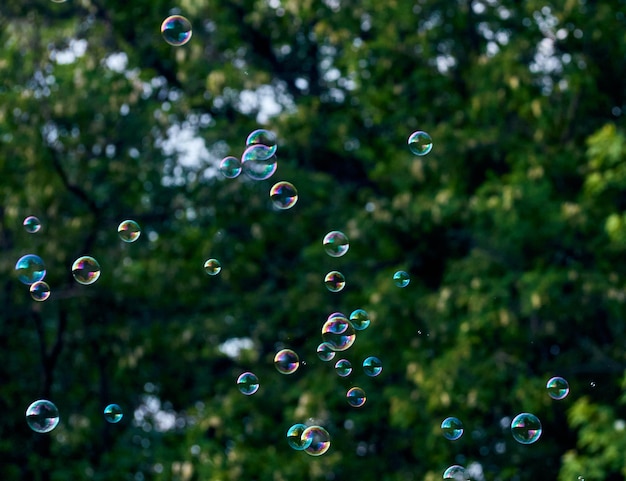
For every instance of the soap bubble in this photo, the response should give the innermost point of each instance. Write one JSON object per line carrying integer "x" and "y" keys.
{"x": 248, "y": 383}
{"x": 420, "y": 143}
{"x": 372, "y": 366}
{"x": 336, "y": 243}
{"x": 452, "y": 428}
{"x": 259, "y": 162}
{"x": 343, "y": 367}
{"x": 318, "y": 440}
{"x": 32, "y": 224}
{"x": 176, "y": 30}
{"x": 401, "y": 279}
{"x": 455, "y": 472}
{"x": 42, "y": 416}
{"x": 334, "y": 281}
{"x": 230, "y": 167}
{"x": 212, "y": 267}
{"x": 360, "y": 319}
{"x": 263, "y": 137}
{"x": 338, "y": 333}
{"x": 325, "y": 352}
{"x": 283, "y": 195}
{"x": 86, "y": 270}
{"x": 113, "y": 413}
{"x": 129, "y": 231}
{"x": 30, "y": 269}
{"x": 356, "y": 397}
{"x": 40, "y": 291}
{"x": 558, "y": 388}
{"x": 296, "y": 440}
{"x": 286, "y": 361}
{"x": 526, "y": 428}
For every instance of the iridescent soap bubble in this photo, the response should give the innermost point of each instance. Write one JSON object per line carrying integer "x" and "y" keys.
{"x": 296, "y": 440}
{"x": 86, "y": 270}
{"x": 420, "y": 143}
{"x": 338, "y": 333}
{"x": 343, "y": 367}
{"x": 129, "y": 231}
{"x": 212, "y": 267}
{"x": 356, "y": 397}
{"x": 318, "y": 440}
{"x": 42, "y": 416}
{"x": 334, "y": 281}
{"x": 558, "y": 388}
{"x": 113, "y": 413}
{"x": 372, "y": 366}
{"x": 263, "y": 137}
{"x": 336, "y": 243}
{"x": 31, "y": 224}
{"x": 452, "y": 428}
{"x": 455, "y": 472}
{"x": 283, "y": 195}
{"x": 248, "y": 383}
{"x": 526, "y": 428}
{"x": 360, "y": 319}
{"x": 176, "y": 30}
{"x": 325, "y": 352}
{"x": 258, "y": 162}
{"x": 40, "y": 291}
{"x": 401, "y": 279}
{"x": 230, "y": 167}
{"x": 30, "y": 269}
{"x": 286, "y": 361}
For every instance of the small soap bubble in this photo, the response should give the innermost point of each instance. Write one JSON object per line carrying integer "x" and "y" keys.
{"x": 452, "y": 428}
{"x": 176, "y": 30}
{"x": 86, "y": 270}
{"x": 455, "y": 472}
{"x": 286, "y": 361}
{"x": 334, "y": 281}
{"x": 338, "y": 333}
{"x": 401, "y": 279}
{"x": 296, "y": 440}
{"x": 258, "y": 162}
{"x": 318, "y": 440}
{"x": 372, "y": 366}
{"x": 248, "y": 383}
{"x": 212, "y": 267}
{"x": 58, "y": 1}
{"x": 30, "y": 269}
{"x": 325, "y": 352}
{"x": 283, "y": 195}
{"x": 32, "y": 224}
{"x": 356, "y": 397}
{"x": 230, "y": 167}
{"x": 263, "y": 137}
{"x": 336, "y": 243}
{"x": 420, "y": 143}
{"x": 558, "y": 388}
{"x": 343, "y": 367}
{"x": 113, "y": 413}
{"x": 129, "y": 231}
{"x": 40, "y": 291}
{"x": 42, "y": 416}
{"x": 360, "y": 319}
{"x": 526, "y": 428}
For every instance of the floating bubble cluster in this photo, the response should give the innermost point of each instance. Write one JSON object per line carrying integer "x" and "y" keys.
{"x": 336, "y": 243}
{"x": 452, "y": 428}
{"x": 113, "y": 413}
{"x": 420, "y": 143}
{"x": 248, "y": 383}
{"x": 32, "y": 224}
{"x": 372, "y": 366}
{"x": 42, "y": 416}
{"x": 558, "y": 388}
{"x": 283, "y": 195}
{"x": 286, "y": 361}
{"x": 30, "y": 269}
{"x": 176, "y": 30}
{"x": 86, "y": 270}
{"x": 526, "y": 428}
{"x": 129, "y": 231}
{"x": 212, "y": 267}
{"x": 40, "y": 291}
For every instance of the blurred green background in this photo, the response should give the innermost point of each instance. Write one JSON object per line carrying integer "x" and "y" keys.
{"x": 513, "y": 230}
